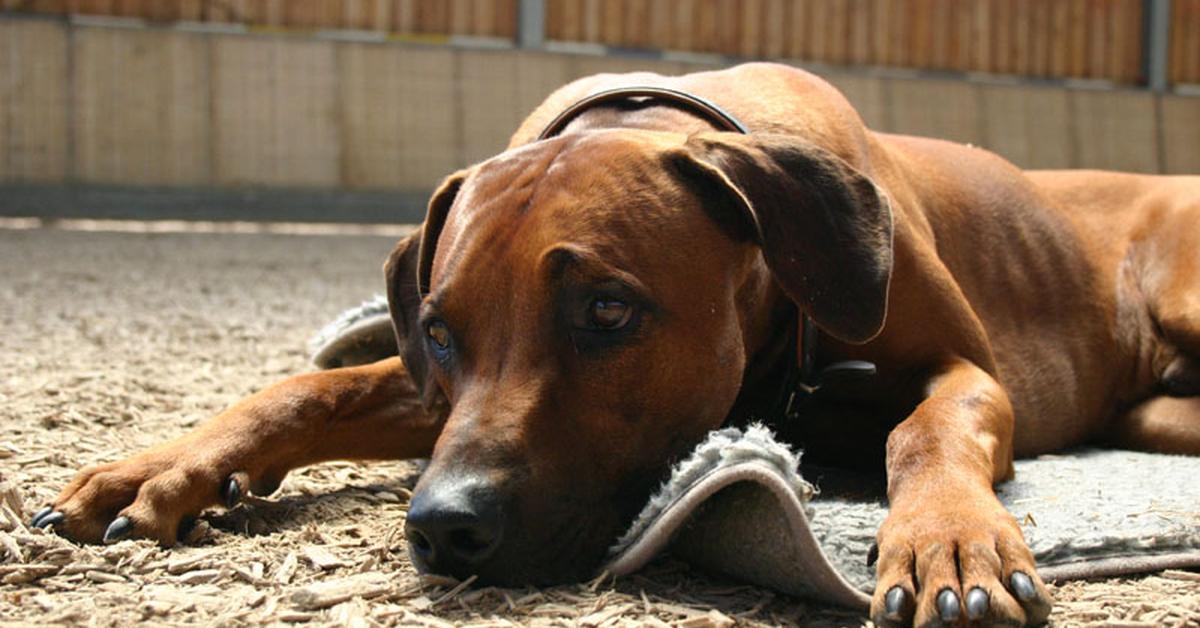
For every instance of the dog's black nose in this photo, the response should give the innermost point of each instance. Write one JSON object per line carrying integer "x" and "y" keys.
{"x": 453, "y": 530}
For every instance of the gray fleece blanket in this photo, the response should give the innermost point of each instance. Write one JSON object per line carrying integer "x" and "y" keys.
{"x": 739, "y": 505}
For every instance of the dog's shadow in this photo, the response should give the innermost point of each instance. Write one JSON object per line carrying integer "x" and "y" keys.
{"x": 349, "y": 504}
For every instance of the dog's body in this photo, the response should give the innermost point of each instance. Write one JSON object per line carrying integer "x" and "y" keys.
{"x": 581, "y": 310}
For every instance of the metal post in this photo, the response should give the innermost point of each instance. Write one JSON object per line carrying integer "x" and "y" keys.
{"x": 1156, "y": 43}
{"x": 531, "y": 23}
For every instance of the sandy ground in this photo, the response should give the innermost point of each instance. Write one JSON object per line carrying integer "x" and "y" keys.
{"x": 115, "y": 341}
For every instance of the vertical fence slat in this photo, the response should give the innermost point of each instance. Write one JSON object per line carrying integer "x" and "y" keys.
{"x": 33, "y": 101}
{"x": 1098, "y": 39}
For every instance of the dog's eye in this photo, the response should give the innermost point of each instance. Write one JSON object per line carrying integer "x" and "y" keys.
{"x": 610, "y": 313}
{"x": 439, "y": 336}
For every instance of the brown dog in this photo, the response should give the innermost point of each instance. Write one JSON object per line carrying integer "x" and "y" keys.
{"x": 579, "y": 311}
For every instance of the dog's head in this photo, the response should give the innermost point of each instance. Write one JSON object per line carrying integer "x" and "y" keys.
{"x": 583, "y": 309}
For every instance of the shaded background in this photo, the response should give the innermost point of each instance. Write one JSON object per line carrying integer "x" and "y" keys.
{"x": 352, "y": 110}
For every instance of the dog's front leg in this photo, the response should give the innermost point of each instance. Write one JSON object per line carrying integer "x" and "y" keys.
{"x": 358, "y": 413}
{"x": 949, "y": 552}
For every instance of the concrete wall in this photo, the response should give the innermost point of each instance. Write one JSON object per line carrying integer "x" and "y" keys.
{"x": 163, "y": 107}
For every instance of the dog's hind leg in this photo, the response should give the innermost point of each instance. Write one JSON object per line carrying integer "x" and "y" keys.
{"x": 357, "y": 413}
{"x": 1171, "y": 284}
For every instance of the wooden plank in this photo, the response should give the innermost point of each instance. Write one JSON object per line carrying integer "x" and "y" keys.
{"x": 55, "y": 7}
{"x": 1135, "y": 15}
{"x": 1040, "y": 38}
{"x": 355, "y": 14}
{"x": 1022, "y": 37}
{"x": 1114, "y": 130}
{"x": 404, "y": 16}
{"x": 880, "y": 32}
{"x": 1181, "y": 134}
{"x": 1098, "y": 39}
{"x": 728, "y": 26}
{"x": 774, "y": 29}
{"x": 818, "y": 31}
{"x": 1002, "y": 36}
{"x": 859, "y": 37}
{"x": 612, "y": 31}
{"x": 378, "y": 15}
{"x": 684, "y": 26}
{"x": 920, "y": 33}
{"x": 660, "y": 22}
{"x": 33, "y": 101}
{"x": 190, "y": 9}
{"x": 433, "y": 16}
{"x": 274, "y": 12}
{"x": 506, "y": 19}
{"x": 141, "y": 107}
{"x": 947, "y": 110}
{"x": 636, "y": 28}
{"x": 1029, "y": 126}
{"x": 900, "y": 38}
{"x": 274, "y": 112}
{"x": 570, "y": 26}
{"x": 1078, "y": 42}
{"x": 941, "y": 29}
{"x": 397, "y": 130}
{"x": 799, "y": 23}
{"x": 93, "y": 7}
{"x": 592, "y": 21}
{"x": 555, "y": 20}
{"x": 1060, "y": 56}
{"x": 1124, "y": 28}
{"x": 1181, "y": 30}
{"x": 460, "y": 17}
{"x": 837, "y": 43}
{"x": 484, "y": 17}
{"x": 1191, "y": 43}
{"x": 750, "y": 33}
{"x": 1183, "y": 38}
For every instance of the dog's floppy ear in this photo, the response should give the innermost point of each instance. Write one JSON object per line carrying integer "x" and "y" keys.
{"x": 824, "y": 227}
{"x": 407, "y": 274}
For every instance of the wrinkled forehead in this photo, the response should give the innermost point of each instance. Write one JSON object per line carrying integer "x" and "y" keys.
{"x": 591, "y": 191}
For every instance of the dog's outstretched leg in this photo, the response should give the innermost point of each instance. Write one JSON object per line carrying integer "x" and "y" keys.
{"x": 949, "y": 552}
{"x": 359, "y": 413}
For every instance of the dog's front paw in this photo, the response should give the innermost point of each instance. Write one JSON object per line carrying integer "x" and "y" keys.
{"x": 151, "y": 495}
{"x": 956, "y": 565}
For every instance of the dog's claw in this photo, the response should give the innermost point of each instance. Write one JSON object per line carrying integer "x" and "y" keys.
{"x": 978, "y": 602}
{"x": 893, "y": 604}
{"x": 1036, "y": 602}
{"x": 232, "y": 492}
{"x": 119, "y": 528}
{"x": 52, "y": 519}
{"x": 39, "y": 514}
{"x": 873, "y": 555}
{"x": 1022, "y": 585}
{"x": 948, "y": 607}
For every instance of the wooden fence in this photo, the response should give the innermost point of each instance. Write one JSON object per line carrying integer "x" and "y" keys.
{"x": 1084, "y": 39}
{"x": 1048, "y": 38}
{"x": 168, "y": 107}
{"x": 1184, "y": 63}
{"x": 488, "y": 18}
